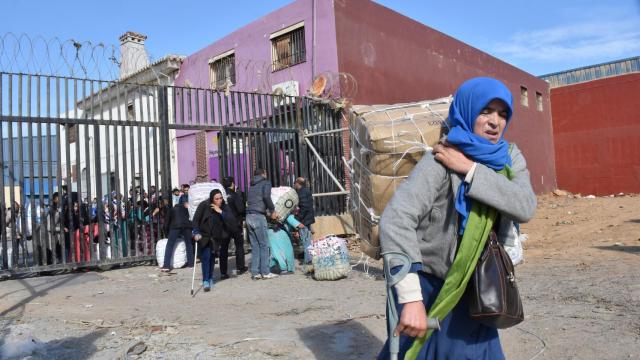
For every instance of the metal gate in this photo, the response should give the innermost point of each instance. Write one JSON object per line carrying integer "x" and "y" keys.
{"x": 87, "y": 163}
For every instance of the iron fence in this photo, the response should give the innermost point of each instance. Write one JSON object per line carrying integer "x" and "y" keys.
{"x": 87, "y": 163}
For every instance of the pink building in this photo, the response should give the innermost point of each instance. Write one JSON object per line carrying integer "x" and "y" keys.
{"x": 391, "y": 57}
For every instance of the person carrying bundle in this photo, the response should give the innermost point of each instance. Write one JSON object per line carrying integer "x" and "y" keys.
{"x": 433, "y": 219}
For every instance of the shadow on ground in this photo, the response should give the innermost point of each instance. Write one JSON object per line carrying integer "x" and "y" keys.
{"x": 35, "y": 287}
{"x": 341, "y": 340}
{"x": 70, "y": 348}
{"x": 628, "y": 249}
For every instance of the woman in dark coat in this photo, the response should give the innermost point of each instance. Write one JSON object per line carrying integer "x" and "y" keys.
{"x": 212, "y": 223}
{"x": 176, "y": 224}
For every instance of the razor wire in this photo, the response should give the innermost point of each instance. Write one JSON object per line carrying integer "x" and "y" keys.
{"x": 81, "y": 59}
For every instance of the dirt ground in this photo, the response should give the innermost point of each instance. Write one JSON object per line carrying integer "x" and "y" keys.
{"x": 580, "y": 285}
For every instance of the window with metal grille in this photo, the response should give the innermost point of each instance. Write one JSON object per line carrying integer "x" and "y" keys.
{"x": 288, "y": 49}
{"x": 223, "y": 72}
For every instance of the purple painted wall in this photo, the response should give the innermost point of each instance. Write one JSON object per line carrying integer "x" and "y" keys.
{"x": 252, "y": 48}
{"x": 186, "y": 159}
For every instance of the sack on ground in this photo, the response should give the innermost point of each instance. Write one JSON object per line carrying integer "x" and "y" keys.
{"x": 200, "y": 192}
{"x": 179, "y": 258}
{"x": 285, "y": 200}
{"x": 330, "y": 258}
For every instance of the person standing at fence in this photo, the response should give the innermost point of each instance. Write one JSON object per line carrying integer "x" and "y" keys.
{"x": 14, "y": 228}
{"x": 79, "y": 226}
{"x": 67, "y": 219}
{"x": 235, "y": 199}
{"x": 175, "y": 196}
{"x": 55, "y": 226}
{"x": 178, "y": 224}
{"x": 305, "y": 214}
{"x": 259, "y": 205}
{"x": 185, "y": 190}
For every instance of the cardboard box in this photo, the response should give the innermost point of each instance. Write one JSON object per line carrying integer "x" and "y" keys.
{"x": 387, "y": 164}
{"x": 398, "y": 128}
{"x": 375, "y": 191}
{"x": 368, "y": 233}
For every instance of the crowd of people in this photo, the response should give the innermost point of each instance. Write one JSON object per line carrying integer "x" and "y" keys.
{"x": 217, "y": 222}
{"x": 132, "y": 226}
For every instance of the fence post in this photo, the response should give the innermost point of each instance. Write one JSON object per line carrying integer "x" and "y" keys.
{"x": 165, "y": 144}
{"x": 302, "y": 145}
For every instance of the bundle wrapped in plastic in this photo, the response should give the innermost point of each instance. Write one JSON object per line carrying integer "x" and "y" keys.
{"x": 285, "y": 200}
{"x": 330, "y": 258}
{"x": 387, "y": 142}
{"x": 179, "y": 258}
{"x": 200, "y": 192}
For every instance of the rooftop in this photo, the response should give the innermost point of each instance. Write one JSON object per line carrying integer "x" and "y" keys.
{"x": 593, "y": 72}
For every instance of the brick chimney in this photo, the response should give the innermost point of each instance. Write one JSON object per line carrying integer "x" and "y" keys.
{"x": 133, "y": 55}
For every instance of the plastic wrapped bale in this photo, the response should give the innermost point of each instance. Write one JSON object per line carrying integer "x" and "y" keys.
{"x": 179, "y": 258}
{"x": 330, "y": 258}
{"x": 285, "y": 200}
{"x": 200, "y": 192}
{"x": 387, "y": 142}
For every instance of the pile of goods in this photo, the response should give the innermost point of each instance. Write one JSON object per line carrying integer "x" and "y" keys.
{"x": 387, "y": 141}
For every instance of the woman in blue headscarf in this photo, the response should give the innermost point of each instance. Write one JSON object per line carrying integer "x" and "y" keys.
{"x": 428, "y": 214}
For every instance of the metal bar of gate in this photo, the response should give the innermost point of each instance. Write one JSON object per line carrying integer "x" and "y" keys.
{"x": 66, "y": 243}
{"x": 84, "y": 242}
{"x": 3, "y": 205}
{"x": 30, "y": 166}
{"x": 12, "y": 211}
{"x": 53, "y": 234}
{"x": 109, "y": 202}
{"x": 42, "y": 241}
{"x": 97, "y": 139}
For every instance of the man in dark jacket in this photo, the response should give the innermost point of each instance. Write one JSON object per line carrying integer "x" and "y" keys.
{"x": 177, "y": 223}
{"x": 258, "y": 204}
{"x": 235, "y": 200}
{"x": 305, "y": 213}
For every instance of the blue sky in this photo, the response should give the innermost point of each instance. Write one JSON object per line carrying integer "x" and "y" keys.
{"x": 538, "y": 36}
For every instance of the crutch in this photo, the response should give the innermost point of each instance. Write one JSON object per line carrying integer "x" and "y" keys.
{"x": 193, "y": 277}
{"x": 393, "y": 316}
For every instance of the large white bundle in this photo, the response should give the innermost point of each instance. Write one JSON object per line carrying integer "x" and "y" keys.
{"x": 330, "y": 258}
{"x": 285, "y": 200}
{"x": 179, "y": 258}
{"x": 200, "y": 192}
{"x": 9, "y": 256}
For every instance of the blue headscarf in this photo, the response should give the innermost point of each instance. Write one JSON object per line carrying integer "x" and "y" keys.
{"x": 469, "y": 100}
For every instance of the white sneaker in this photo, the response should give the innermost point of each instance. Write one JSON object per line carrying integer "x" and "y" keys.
{"x": 270, "y": 276}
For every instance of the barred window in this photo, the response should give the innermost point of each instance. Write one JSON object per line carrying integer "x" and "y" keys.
{"x": 222, "y": 71}
{"x": 288, "y": 49}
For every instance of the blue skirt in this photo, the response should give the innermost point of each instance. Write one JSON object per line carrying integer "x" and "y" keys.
{"x": 459, "y": 338}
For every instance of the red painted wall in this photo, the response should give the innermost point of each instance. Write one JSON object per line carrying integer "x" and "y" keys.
{"x": 597, "y": 135}
{"x": 396, "y": 59}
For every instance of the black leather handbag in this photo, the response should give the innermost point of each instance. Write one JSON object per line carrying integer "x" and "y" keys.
{"x": 492, "y": 292}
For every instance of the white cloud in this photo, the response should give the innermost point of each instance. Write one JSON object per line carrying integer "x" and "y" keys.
{"x": 579, "y": 41}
